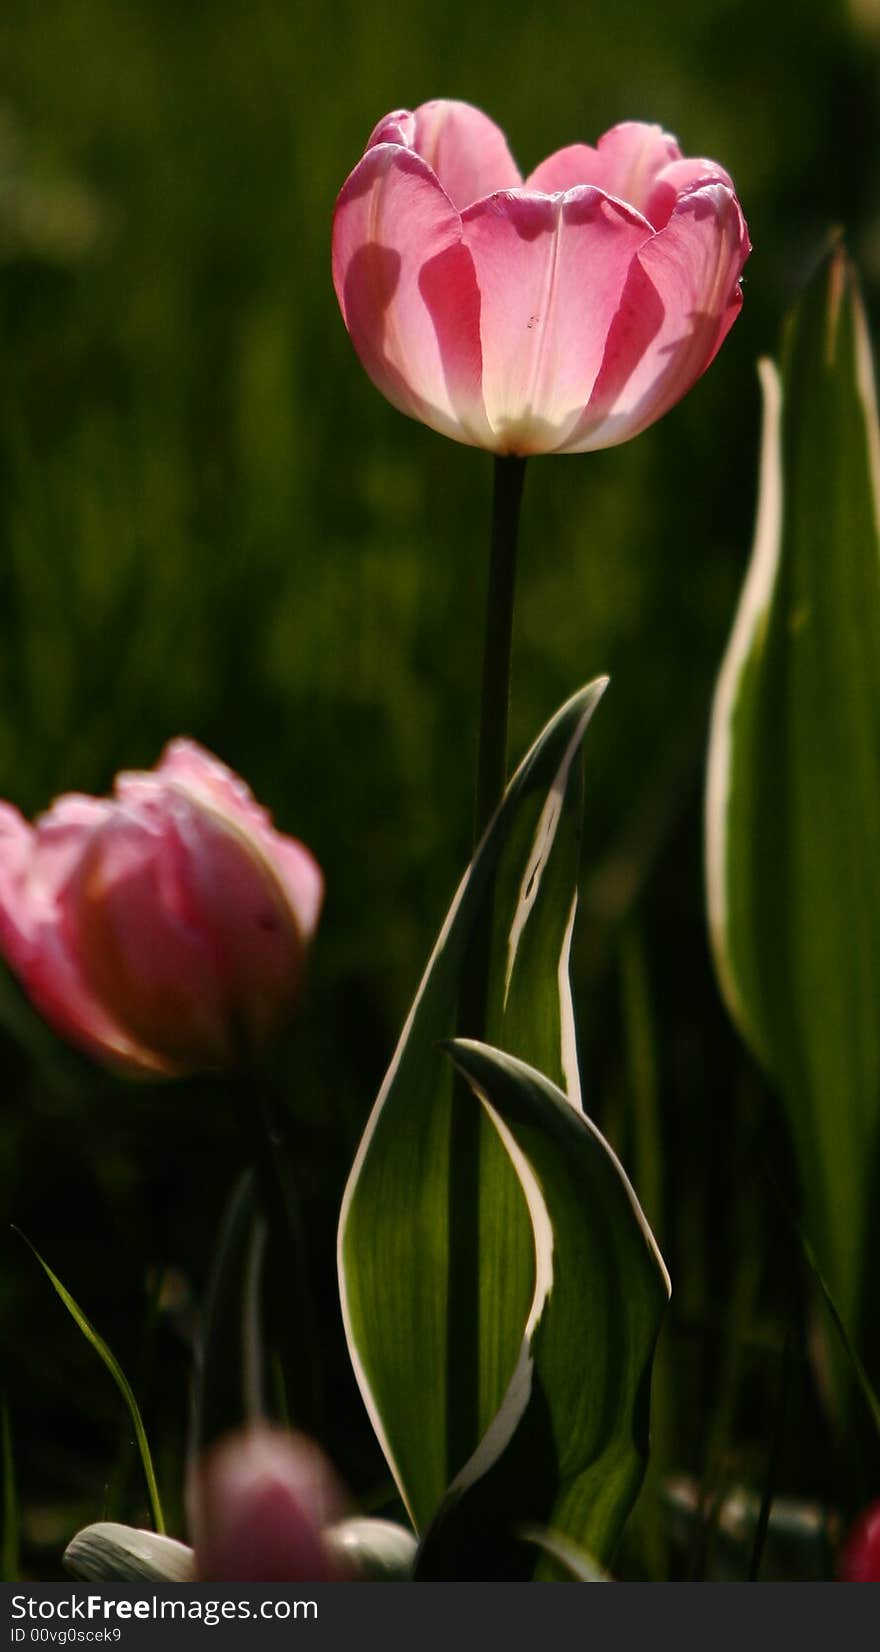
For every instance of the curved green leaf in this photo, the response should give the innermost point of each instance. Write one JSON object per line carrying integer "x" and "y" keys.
{"x": 577, "y": 1566}
{"x": 793, "y": 798}
{"x": 434, "y": 1235}
{"x": 567, "y": 1449}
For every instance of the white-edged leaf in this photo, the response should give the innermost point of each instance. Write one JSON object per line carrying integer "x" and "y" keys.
{"x": 110, "y": 1553}
{"x": 793, "y": 792}
{"x": 568, "y": 1447}
{"x": 434, "y": 1234}
{"x": 381, "y": 1551}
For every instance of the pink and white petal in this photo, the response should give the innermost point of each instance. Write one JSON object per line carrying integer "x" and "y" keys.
{"x": 141, "y": 942}
{"x": 202, "y": 775}
{"x": 57, "y": 989}
{"x": 550, "y": 270}
{"x": 254, "y": 934}
{"x": 398, "y": 127}
{"x": 568, "y": 168}
{"x": 17, "y": 921}
{"x": 302, "y": 879}
{"x": 465, "y": 149}
{"x": 205, "y": 777}
{"x": 35, "y": 866}
{"x": 189, "y": 782}
{"x": 408, "y": 292}
{"x": 35, "y": 862}
{"x": 680, "y": 300}
{"x": 259, "y": 1502}
{"x": 625, "y": 163}
{"x": 675, "y": 180}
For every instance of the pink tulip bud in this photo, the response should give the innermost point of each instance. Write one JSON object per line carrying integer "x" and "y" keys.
{"x": 552, "y": 316}
{"x": 259, "y": 1504}
{"x": 165, "y": 929}
{"x": 860, "y": 1557}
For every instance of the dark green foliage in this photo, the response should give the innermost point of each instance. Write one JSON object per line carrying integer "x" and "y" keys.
{"x": 211, "y": 523}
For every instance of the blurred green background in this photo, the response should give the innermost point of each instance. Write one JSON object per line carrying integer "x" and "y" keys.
{"x": 213, "y": 524}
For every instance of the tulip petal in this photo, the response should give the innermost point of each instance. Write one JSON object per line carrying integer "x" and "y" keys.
{"x": 35, "y": 865}
{"x": 408, "y": 293}
{"x": 16, "y": 849}
{"x": 303, "y": 882}
{"x": 259, "y": 1502}
{"x": 625, "y": 163}
{"x": 56, "y": 987}
{"x": 466, "y": 151}
{"x": 680, "y": 300}
{"x": 398, "y": 127}
{"x": 205, "y": 778}
{"x": 139, "y": 942}
{"x": 53, "y": 848}
{"x": 203, "y": 774}
{"x": 550, "y": 269}
{"x": 177, "y": 914}
{"x": 678, "y": 179}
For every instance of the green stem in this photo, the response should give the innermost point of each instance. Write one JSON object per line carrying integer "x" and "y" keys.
{"x": 290, "y": 1310}
{"x": 495, "y": 695}
{"x": 463, "y": 1374}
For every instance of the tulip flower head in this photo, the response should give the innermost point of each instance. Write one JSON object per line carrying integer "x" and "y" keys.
{"x": 555, "y": 315}
{"x": 260, "y": 1502}
{"x": 163, "y": 930}
{"x": 860, "y": 1557}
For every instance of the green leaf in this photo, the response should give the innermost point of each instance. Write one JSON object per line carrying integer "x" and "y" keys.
{"x": 434, "y": 1232}
{"x": 580, "y": 1567}
{"x": 568, "y": 1446}
{"x": 119, "y": 1377}
{"x": 110, "y": 1553}
{"x": 793, "y": 795}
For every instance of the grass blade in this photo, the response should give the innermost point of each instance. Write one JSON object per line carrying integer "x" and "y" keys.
{"x": 119, "y": 1377}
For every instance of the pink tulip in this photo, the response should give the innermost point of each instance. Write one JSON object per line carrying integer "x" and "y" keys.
{"x": 165, "y": 929}
{"x": 552, "y": 316}
{"x": 860, "y": 1558}
{"x": 259, "y": 1503}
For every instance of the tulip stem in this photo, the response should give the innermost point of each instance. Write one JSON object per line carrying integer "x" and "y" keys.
{"x": 495, "y": 695}
{"x": 466, "y": 1123}
{"x": 290, "y": 1308}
